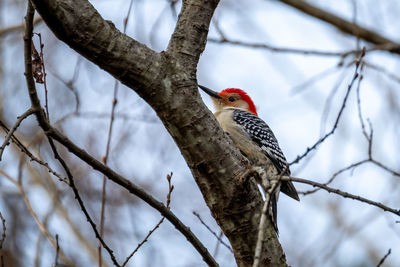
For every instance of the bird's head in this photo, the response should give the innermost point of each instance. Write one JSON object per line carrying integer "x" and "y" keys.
{"x": 231, "y": 97}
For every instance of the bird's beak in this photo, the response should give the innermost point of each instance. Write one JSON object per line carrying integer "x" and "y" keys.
{"x": 210, "y": 92}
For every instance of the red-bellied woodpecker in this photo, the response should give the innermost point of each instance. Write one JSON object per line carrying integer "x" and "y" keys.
{"x": 237, "y": 115}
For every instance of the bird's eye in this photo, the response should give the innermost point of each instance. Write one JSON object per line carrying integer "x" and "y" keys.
{"x": 231, "y": 99}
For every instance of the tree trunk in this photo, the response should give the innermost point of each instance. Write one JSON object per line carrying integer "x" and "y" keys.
{"x": 167, "y": 82}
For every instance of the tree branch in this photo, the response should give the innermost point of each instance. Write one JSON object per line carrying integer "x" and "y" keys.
{"x": 384, "y": 258}
{"x": 344, "y": 25}
{"x": 132, "y": 188}
{"x": 78, "y": 24}
{"x": 167, "y": 82}
{"x": 189, "y": 38}
{"x": 332, "y": 131}
{"x": 14, "y": 128}
{"x": 53, "y": 133}
{"x": 170, "y": 189}
{"x": 25, "y": 150}
{"x": 343, "y": 194}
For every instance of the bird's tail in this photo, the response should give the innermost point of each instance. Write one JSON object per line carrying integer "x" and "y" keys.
{"x": 288, "y": 188}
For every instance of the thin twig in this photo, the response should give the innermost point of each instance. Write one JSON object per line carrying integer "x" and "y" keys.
{"x": 80, "y": 201}
{"x": 39, "y": 223}
{"x": 14, "y": 128}
{"x": 172, "y": 5}
{"x": 224, "y": 40}
{"x": 385, "y": 168}
{"x": 108, "y": 145}
{"x": 70, "y": 85}
{"x": 368, "y": 137}
{"x": 3, "y": 234}
{"x": 332, "y": 131}
{"x": 50, "y": 187}
{"x": 343, "y": 194}
{"x": 43, "y": 120}
{"x": 25, "y": 150}
{"x": 3, "y": 238}
{"x": 330, "y": 180}
{"x": 384, "y": 258}
{"x": 170, "y": 189}
{"x": 57, "y": 251}
{"x": 360, "y": 116}
{"x": 212, "y": 232}
{"x": 45, "y": 221}
{"x": 216, "y": 250}
{"x": 306, "y": 52}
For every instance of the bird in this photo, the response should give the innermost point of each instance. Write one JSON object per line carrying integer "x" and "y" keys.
{"x": 237, "y": 115}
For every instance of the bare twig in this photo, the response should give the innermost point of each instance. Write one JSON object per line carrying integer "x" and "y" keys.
{"x": 80, "y": 201}
{"x": 45, "y": 220}
{"x": 39, "y": 223}
{"x": 70, "y": 85}
{"x": 57, "y": 251}
{"x": 216, "y": 250}
{"x": 42, "y": 118}
{"x": 384, "y": 258}
{"x": 3, "y": 234}
{"x": 368, "y": 137}
{"x": 212, "y": 232}
{"x": 50, "y": 187}
{"x": 343, "y": 194}
{"x": 330, "y": 180}
{"x": 14, "y": 128}
{"x": 170, "y": 189}
{"x": 360, "y": 116}
{"x": 332, "y": 131}
{"x": 224, "y": 40}
{"x": 3, "y": 238}
{"x": 395, "y": 173}
{"x": 108, "y": 145}
{"x": 25, "y": 150}
{"x": 370, "y": 159}
{"x": 305, "y": 52}
{"x": 172, "y": 6}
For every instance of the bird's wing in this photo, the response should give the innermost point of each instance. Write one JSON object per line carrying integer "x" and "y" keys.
{"x": 260, "y": 133}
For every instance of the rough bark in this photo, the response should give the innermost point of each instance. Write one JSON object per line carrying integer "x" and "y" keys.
{"x": 167, "y": 82}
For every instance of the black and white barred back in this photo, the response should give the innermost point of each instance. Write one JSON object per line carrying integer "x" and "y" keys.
{"x": 260, "y": 133}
